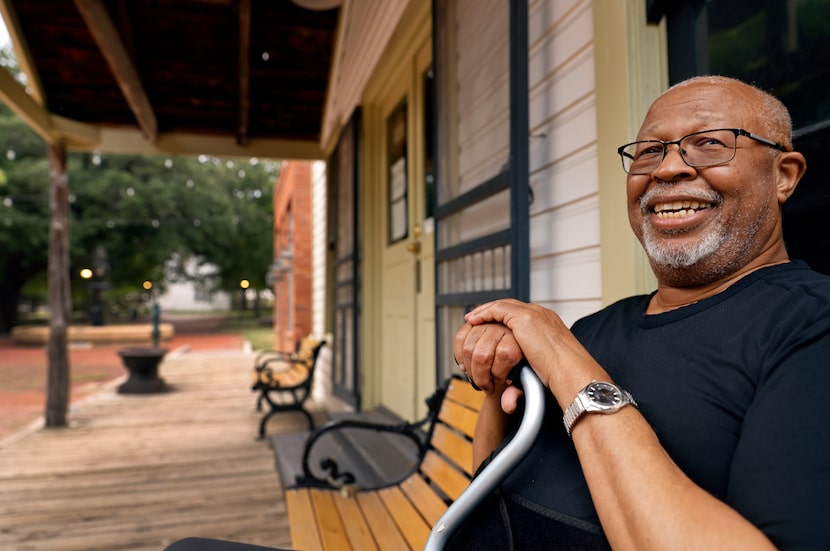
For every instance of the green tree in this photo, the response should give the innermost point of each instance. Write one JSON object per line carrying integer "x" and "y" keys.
{"x": 142, "y": 210}
{"x": 148, "y": 210}
{"x": 24, "y": 211}
{"x": 245, "y": 250}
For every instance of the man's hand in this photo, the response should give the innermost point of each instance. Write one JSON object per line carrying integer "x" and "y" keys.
{"x": 499, "y": 333}
{"x": 486, "y": 353}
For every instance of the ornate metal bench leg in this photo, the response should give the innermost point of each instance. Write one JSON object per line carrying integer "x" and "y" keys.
{"x": 309, "y": 417}
{"x": 262, "y": 424}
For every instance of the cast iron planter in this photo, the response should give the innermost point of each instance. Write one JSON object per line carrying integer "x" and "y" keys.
{"x": 143, "y": 365}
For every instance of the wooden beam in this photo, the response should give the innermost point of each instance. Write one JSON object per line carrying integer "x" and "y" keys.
{"x": 80, "y": 136}
{"x": 14, "y": 95}
{"x": 22, "y": 52}
{"x": 112, "y": 48}
{"x": 75, "y": 134}
{"x": 244, "y": 71}
{"x": 114, "y": 140}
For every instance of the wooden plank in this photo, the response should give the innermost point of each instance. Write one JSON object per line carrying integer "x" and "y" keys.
{"x": 292, "y": 377}
{"x": 451, "y": 481}
{"x": 430, "y": 505}
{"x": 463, "y": 392}
{"x": 329, "y": 523}
{"x": 456, "y": 448}
{"x": 410, "y": 522}
{"x": 302, "y": 520}
{"x": 383, "y": 526}
{"x": 458, "y": 417}
{"x": 357, "y": 527}
{"x": 141, "y": 471}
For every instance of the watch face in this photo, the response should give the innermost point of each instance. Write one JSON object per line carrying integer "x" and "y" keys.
{"x": 604, "y": 394}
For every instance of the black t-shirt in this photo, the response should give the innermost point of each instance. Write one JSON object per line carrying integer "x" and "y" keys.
{"x": 737, "y": 388}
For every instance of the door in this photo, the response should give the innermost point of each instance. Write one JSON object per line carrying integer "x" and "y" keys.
{"x": 407, "y": 331}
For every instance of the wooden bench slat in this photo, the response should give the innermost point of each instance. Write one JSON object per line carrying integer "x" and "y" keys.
{"x": 278, "y": 366}
{"x": 399, "y": 516}
{"x": 451, "y": 481}
{"x": 458, "y": 417}
{"x": 292, "y": 377}
{"x": 429, "y": 503}
{"x": 455, "y": 447}
{"x": 302, "y": 521}
{"x": 383, "y": 526}
{"x": 329, "y": 523}
{"x": 410, "y": 522}
{"x": 357, "y": 527}
{"x": 464, "y": 393}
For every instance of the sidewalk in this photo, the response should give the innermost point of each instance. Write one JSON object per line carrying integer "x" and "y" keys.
{"x": 23, "y": 374}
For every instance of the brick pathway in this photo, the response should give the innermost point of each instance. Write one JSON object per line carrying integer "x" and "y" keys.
{"x": 23, "y": 373}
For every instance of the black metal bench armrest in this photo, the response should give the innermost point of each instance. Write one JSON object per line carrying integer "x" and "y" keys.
{"x": 336, "y": 479}
{"x": 265, "y": 356}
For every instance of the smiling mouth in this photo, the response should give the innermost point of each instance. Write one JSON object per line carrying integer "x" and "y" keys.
{"x": 679, "y": 209}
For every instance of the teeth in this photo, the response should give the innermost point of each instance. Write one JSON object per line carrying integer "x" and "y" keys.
{"x": 679, "y": 205}
{"x": 679, "y": 209}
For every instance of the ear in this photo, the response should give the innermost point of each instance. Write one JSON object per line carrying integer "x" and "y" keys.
{"x": 789, "y": 170}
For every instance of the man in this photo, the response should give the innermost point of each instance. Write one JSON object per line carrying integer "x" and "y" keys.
{"x": 717, "y": 426}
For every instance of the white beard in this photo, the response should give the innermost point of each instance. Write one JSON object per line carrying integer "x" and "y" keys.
{"x": 681, "y": 256}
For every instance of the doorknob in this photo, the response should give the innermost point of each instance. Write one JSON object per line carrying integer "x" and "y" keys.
{"x": 414, "y": 246}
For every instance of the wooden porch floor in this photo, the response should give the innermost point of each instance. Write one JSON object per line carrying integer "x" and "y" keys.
{"x": 141, "y": 471}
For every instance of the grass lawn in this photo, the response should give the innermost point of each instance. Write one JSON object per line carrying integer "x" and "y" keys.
{"x": 260, "y": 336}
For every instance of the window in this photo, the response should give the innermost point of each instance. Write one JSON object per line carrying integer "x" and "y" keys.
{"x": 782, "y": 46}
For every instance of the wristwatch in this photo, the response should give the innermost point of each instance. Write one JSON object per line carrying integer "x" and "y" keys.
{"x": 597, "y": 397}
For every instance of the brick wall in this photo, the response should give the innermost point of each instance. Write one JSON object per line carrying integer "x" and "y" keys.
{"x": 293, "y": 234}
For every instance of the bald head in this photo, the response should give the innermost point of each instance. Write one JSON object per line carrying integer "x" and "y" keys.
{"x": 773, "y": 118}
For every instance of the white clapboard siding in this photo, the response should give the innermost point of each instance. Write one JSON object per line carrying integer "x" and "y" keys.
{"x": 482, "y": 95}
{"x": 365, "y": 29}
{"x": 552, "y": 232}
{"x": 568, "y": 282}
{"x": 564, "y": 225}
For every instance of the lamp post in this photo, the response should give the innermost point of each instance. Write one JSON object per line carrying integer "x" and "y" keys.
{"x": 100, "y": 268}
{"x": 156, "y": 313}
{"x": 243, "y": 286}
{"x": 86, "y": 275}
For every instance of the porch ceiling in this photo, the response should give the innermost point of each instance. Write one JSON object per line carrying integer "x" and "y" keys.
{"x": 221, "y": 77}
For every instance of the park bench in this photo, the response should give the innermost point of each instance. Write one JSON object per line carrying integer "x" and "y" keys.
{"x": 284, "y": 380}
{"x": 334, "y": 510}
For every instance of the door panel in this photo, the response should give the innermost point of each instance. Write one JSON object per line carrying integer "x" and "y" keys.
{"x": 407, "y": 329}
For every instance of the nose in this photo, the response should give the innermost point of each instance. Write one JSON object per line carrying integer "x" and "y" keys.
{"x": 673, "y": 166}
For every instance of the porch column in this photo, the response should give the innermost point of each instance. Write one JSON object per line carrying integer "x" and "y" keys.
{"x": 57, "y": 393}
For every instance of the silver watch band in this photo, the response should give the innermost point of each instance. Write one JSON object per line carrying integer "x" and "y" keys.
{"x": 577, "y": 408}
{"x": 572, "y": 413}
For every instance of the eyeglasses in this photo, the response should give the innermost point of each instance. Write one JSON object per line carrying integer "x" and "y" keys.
{"x": 699, "y": 149}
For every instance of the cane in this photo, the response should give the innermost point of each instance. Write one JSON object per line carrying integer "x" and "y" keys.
{"x": 501, "y": 465}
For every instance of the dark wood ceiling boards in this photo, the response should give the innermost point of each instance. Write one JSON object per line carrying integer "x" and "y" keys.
{"x": 247, "y": 69}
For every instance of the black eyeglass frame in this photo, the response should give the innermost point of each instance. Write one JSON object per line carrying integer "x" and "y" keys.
{"x": 736, "y": 131}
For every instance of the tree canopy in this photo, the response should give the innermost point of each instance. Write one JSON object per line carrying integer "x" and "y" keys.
{"x": 143, "y": 211}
